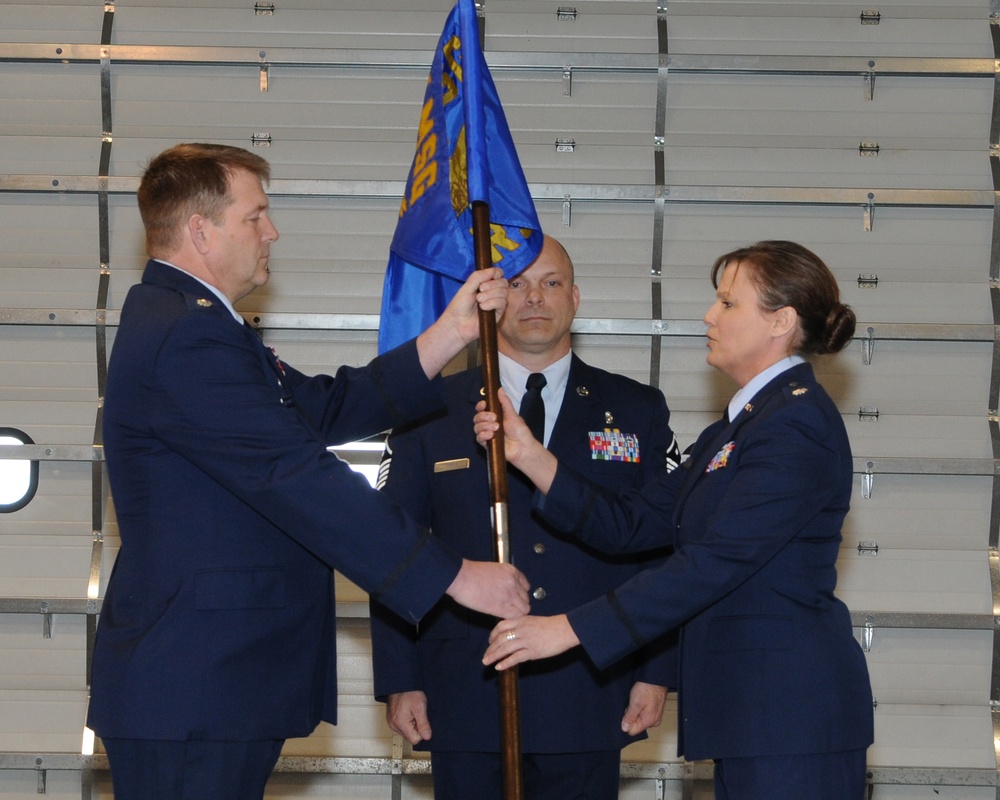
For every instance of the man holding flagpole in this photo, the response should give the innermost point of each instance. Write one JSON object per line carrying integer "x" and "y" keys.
{"x": 216, "y": 639}
{"x": 466, "y": 207}
{"x": 575, "y": 719}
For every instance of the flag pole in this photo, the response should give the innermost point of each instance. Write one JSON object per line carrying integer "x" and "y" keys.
{"x": 510, "y": 710}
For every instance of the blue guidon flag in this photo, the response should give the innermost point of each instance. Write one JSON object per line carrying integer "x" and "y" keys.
{"x": 464, "y": 153}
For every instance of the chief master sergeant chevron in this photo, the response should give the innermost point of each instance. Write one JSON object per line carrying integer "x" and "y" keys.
{"x": 216, "y": 635}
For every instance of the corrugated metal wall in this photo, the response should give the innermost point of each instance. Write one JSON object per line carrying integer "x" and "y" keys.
{"x": 654, "y": 136}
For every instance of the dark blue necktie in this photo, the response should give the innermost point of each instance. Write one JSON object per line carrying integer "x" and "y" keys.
{"x": 533, "y": 407}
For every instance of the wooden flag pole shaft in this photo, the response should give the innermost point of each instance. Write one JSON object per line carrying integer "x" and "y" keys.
{"x": 510, "y": 711}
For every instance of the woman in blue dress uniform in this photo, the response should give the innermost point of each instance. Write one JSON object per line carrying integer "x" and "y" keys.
{"x": 773, "y": 686}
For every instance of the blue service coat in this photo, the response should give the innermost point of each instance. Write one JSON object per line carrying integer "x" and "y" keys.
{"x": 437, "y": 472}
{"x": 769, "y": 663}
{"x": 218, "y": 621}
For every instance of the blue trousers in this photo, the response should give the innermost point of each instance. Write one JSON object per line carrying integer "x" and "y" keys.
{"x": 547, "y": 776}
{"x": 144, "y": 769}
{"x": 823, "y": 776}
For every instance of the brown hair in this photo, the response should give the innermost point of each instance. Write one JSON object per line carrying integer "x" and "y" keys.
{"x": 787, "y": 274}
{"x": 190, "y": 179}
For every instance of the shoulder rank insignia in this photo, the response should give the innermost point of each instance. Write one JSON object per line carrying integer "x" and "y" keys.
{"x": 800, "y": 391}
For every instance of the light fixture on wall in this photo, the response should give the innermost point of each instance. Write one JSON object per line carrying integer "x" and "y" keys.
{"x": 18, "y": 477}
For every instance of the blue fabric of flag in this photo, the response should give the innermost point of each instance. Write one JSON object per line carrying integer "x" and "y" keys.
{"x": 464, "y": 153}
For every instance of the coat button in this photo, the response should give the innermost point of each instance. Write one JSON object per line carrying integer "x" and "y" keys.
{"x": 539, "y": 593}
{"x": 540, "y": 548}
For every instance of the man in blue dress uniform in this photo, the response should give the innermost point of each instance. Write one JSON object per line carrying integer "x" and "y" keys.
{"x": 575, "y": 718}
{"x": 216, "y": 636}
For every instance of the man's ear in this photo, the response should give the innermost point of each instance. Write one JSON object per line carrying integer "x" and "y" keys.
{"x": 198, "y": 232}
